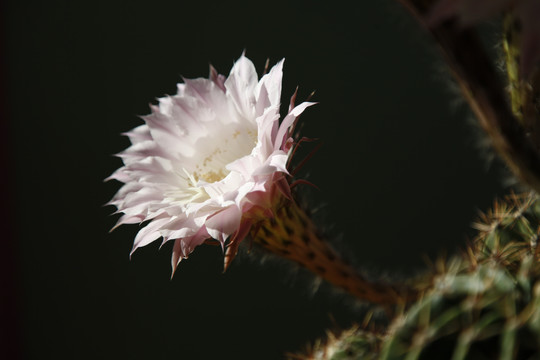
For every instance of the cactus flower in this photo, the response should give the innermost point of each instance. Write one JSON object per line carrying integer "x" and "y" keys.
{"x": 208, "y": 162}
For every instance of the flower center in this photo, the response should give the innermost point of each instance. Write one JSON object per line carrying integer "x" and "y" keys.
{"x": 232, "y": 146}
{"x": 211, "y": 176}
{"x": 227, "y": 145}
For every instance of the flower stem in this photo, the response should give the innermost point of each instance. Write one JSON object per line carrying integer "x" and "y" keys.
{"x": 291, "y": 234}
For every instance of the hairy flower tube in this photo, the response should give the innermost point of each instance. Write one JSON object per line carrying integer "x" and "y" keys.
{"x": 209, "y": 162}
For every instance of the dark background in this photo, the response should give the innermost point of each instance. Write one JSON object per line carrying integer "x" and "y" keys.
{"x": 399, "y": 172}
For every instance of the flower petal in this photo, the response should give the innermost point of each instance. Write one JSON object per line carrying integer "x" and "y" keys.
{"x": 270, "y": 85}
{"x": 288, "y": 121}
{"x": 241, "y": 85}
{"x": 149, "y": 233}
{"x": 224, "y": 223}
{"x": 183, "y": 247}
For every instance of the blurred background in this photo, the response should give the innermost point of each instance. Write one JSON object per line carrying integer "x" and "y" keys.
{"x": 400, "y": 172}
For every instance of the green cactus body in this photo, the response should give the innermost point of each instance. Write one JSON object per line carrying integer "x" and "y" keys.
{"x": 478, "y": 313}
{"x": 484, "y": 304}
{"x": 353, "y": 343}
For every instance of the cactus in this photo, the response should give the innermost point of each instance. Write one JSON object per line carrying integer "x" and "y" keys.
{"x": 481, "y": 304}
{"x": 354, "y": 343}
{"x": 484, "y": 304}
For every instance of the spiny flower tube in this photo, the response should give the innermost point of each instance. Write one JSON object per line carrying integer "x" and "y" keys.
{"x": 209, "y": 162}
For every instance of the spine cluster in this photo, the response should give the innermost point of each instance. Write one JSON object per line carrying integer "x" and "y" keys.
{"x": 484, "y": 304}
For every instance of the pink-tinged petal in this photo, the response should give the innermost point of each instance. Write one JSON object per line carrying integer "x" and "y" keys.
{"x": 183, "y": 247}
{"x": 272, "y": 81}
{"x": 138, "y": 134}
{"x": 263, "y": 102}
{"x": 288, "y": 121}
{"x": 224, "y": 223}
{"x": 193, "y": 241}
{"x": 275, "y": 163}
{"x": 172, "y": 209}
{"x": 261, "y": 202}
{"x": 242, "y": 231}
{"x": 211, "y": 97}
{"x": 176, "y": 255}
{"x": 292, "y": 101}
{"x": 166, "y": 133}
{"x": 284, "y": 188}
{"x": 153, "y": 170}
{"x": 268, "y": 124}
{"x": 178, "y": 228}
{"x": 217, "y": 78}
{"x": 243, "y": 191}
{"x": 187, "y": 109}
{"x": 279, "y": 162}
{"x": 141, "y": 196}
{"x": 271, "y": 85}
{"x": 126, "y": 189}
{"x": 149, "y": 233}
{"x": 241, "y": 85}
{"x": 182, "y": 227}
{"x": 287, "y": 145}
{"x": 263, "y": 210}
{"x": 245, "y": 165}
{"x": 119, "y": 175}
{"x": 141, "y": 150}
{"x": 232, "y": 247}
{"x": 128, "y": 219}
